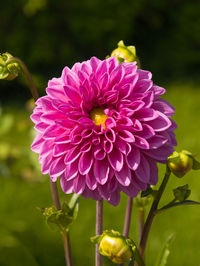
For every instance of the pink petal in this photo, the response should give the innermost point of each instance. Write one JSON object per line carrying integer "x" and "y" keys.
{"x": 143, "y": 85}
{"x": 164, "y": 107}
{"x": 110, "y": 135}
{"x": 46, "y": 162}
{"x": 114, "y": 198}
{"x": 161, "y": 123}
{"x": 79, "y": 184}
{"x": 130, "y": 190}
{"x": 72, "y": 155}
{"x": 143, "y": 74}
{"x": 85, "y": 163}
{"x": 143, "y": 170}
{"x": 36, "y": 145}
{"x": 141, "y": 142}
{"x": 157, "y": 141}
{"x": 124, "y": 175}
{"x": 101, "y": 171}
{"x": 116, "y": 159}
{"x": 57, "y": 168}
{"x": 146, "y": 114}
{"x": 126, "y": 135}
{"x": 72, "y": 94}
{"x": 153, "y": 172}
{"x": 161, "y": 153}
{"x": 52, "y": 132}
{"x": 71, "y": 170}
{"x": 146, "y": 132}
{"x": 67, "y": 186}
{"x": 133, "y": 158}
{"x": 158, "y": 91}
{"x": 99, "y": 153}
{"x": 91, "y": 180}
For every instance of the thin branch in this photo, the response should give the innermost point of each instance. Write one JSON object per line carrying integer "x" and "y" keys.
{"x": 152, "y": 213}
{"x": 127, "y": 220}
{"x": 27, "y": 74}
{"x": 99, "y": 229}
{"x": 141, "y": 222}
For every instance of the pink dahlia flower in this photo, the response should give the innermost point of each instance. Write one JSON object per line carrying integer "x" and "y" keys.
{"x": 102, "y": 128}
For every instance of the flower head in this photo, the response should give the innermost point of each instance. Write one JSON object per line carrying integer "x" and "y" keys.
{"x": 102, "y": 128}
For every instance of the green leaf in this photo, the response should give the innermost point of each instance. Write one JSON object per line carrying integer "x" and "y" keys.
{"x": 196, "y": 164}
{"x": 146, "y": 192}
{"x": 185, "y": 202}
{"x": 61, "y": 219}
{"x": 164, "y": 254}
{"x": 96, "y": 239}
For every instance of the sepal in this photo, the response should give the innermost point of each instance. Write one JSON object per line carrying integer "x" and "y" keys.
{"x": 181, "y": 193}
{"x": 61, "y": 219}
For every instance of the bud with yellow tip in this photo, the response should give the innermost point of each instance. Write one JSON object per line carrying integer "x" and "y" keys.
{"x": 125, "y": 53}
{"x": 182, "y": 162}
{"x": 8, "y": 70}
{"x": 115, "y": 246}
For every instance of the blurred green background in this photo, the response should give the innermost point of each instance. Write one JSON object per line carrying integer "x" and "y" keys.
{"x": 47, "y": 35}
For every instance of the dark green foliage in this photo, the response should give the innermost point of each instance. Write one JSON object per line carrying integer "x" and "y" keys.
{"x": 48, "y": 34}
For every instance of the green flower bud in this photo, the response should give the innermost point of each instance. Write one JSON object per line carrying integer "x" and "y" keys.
{"x": 125, "y": 53}
{"x": 180, "y": 163}
{"x": 144, "y": 199}
{"x": 8, "y": 71}
{"x": 115, "y": 246}
{"x": 181, "y": 193}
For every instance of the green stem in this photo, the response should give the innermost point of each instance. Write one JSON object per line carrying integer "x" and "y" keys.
{"x": 127, "y": 220}
{"x": 27, "y": 74}
{"x": 67, "y": 248}
{"x": 152, "y": 213}
{"x": 138, "y": 258}
{"x": 66, "y": 241}
{"x": 99, "y": 229}
{"x": 166, "y": 206}
{"x": 141, "y": 222}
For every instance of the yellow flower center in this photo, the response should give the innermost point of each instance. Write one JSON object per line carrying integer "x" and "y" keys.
{"x": 98, "y": 116}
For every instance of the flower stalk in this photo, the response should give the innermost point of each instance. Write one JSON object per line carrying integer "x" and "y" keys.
{"x": 128, "y": 216}
{"x": 152, "y": 213}
{"x": 141, "y": 222}
{"x": 66, "y": 239}
{"x": 27, "y": 74}
{"x": 99, "y": 230}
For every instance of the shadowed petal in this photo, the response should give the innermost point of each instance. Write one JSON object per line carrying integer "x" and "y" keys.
{"x": 116, "y": 159}
{"x": 101, "y": 171}
{"x": 133, "y": 158}
{"x": 143, "y": 170}
{"x": 124, "y": 176}
{"x": 85, "y": 162}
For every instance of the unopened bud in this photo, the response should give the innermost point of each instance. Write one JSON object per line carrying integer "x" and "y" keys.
{"x": 125, "y": 53}
{"x": 115, "y": 246}
{"x": 181, "y": 193}
{"x": 144, "y": 199}
{"x": 180, "y": 163}
{"x": 8, "y": 71}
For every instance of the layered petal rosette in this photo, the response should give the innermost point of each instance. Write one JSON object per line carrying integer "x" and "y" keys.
{"x": 102, "y": 128}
